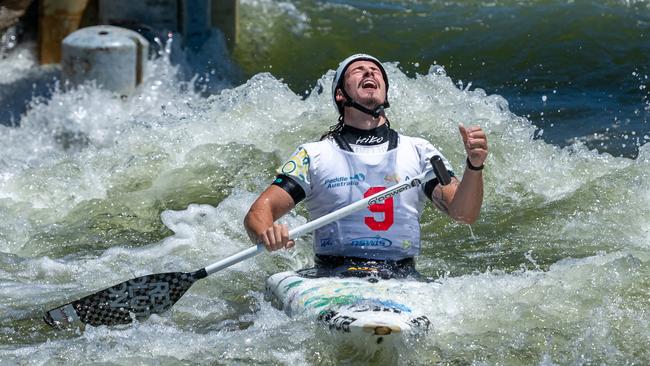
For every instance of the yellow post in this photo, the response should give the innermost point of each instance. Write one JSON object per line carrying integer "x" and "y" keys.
{"x": 57, "y": 19}
{"x": 225, "y": 16}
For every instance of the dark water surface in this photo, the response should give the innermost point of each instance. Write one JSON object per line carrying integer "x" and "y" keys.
{"x": 576, "y": 69}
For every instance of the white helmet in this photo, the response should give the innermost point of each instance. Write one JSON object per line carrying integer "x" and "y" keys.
{"x": 338, "y": 79}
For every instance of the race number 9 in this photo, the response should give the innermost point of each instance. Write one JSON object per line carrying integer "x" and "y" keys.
{"x": 386, "y": 208}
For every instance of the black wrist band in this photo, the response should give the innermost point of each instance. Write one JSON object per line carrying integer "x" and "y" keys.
{"x": 472, "y": 167}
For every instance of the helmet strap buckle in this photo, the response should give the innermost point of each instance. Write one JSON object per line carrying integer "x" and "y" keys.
{"x": 375, "y": 113}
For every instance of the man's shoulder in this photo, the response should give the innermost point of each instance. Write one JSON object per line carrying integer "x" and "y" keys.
{"x": 420, "y": 146}
{"x": 316, "y": 145}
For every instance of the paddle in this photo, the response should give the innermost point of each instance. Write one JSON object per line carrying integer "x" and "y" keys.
{"x": 156, "y": 293}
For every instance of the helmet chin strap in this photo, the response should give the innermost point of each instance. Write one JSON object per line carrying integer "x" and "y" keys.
{"x": 375, "y": 113}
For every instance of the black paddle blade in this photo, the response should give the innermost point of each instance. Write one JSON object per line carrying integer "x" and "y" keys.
{"x": 139, "y": 298}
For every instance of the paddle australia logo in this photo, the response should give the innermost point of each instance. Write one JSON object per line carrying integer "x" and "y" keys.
{"x": 371, "y": 241}
{"x": 345, "y": 181}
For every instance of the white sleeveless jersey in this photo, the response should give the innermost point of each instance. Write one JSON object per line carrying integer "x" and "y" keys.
{"x": 337, "y": 178}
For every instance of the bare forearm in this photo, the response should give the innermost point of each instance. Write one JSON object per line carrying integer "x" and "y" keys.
{"x": 256, "y": 221}
{"x": 259, "y": 221}
{"x": 466, "y": 204}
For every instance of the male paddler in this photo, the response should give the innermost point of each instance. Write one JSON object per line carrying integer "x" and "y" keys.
{"x": 358, "y": 156}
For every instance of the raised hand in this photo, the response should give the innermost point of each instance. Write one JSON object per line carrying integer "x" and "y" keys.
{"x": 475, "y": 143}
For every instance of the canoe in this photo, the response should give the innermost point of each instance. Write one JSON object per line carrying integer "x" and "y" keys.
{"x": 363, "y": 309}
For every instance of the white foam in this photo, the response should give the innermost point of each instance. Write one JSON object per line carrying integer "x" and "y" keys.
{"x": 82, "y": 156}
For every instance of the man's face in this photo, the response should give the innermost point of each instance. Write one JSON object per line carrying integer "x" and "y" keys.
{"x": 364, "y": 83}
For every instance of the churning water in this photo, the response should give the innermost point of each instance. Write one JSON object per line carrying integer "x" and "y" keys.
{"x": 95, "y": 190}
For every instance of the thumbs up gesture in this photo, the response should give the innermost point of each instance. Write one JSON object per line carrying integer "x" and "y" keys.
{"x": 475, "y": 144}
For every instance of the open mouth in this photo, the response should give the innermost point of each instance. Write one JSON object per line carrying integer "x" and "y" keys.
{"x": 369, "y": 84}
